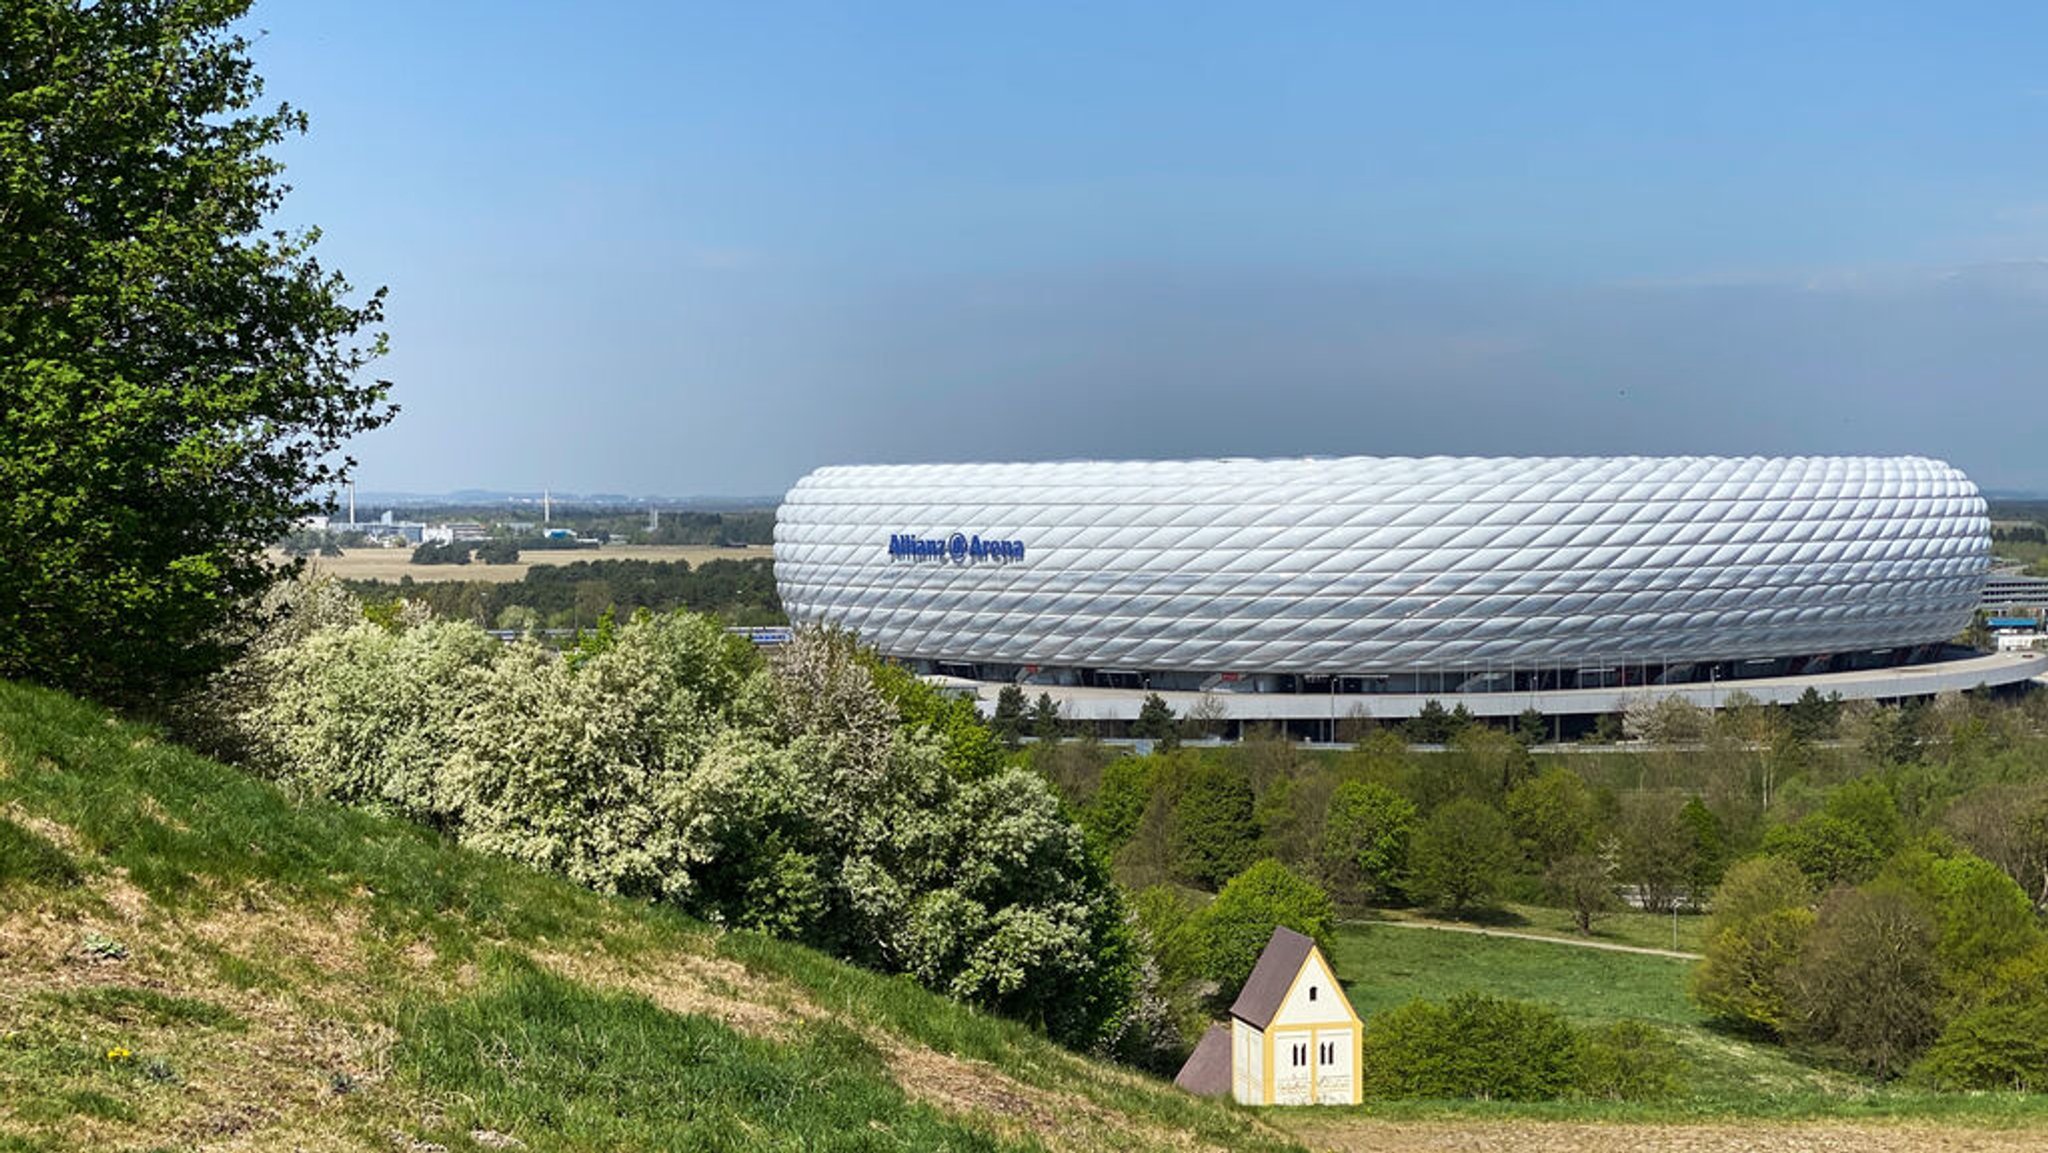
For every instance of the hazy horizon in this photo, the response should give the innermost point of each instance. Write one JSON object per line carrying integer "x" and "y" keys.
{"x": 702, "y": 249}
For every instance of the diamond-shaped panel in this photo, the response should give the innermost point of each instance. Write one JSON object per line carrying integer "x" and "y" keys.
{"x": 1376, "y": 564}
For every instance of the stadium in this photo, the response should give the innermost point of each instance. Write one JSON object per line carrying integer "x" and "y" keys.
{"x": 1313, "y": 589}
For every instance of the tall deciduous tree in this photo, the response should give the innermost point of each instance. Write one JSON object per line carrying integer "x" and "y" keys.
{"x": 176, "y": 380}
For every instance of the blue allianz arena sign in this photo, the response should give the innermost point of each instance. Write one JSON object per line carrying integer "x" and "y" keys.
{"x": 958, "y": 548}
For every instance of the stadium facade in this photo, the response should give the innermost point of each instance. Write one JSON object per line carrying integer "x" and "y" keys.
{"x": 1384, "y": 578}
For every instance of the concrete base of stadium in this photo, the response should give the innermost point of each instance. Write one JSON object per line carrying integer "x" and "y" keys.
{"x": 1926, "y": 680}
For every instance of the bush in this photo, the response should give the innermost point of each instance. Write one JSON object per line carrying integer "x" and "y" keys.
{"x": 1470, "y": 1046}
{"x": 823, "y": 799}
{"x": 1760, "y": 920}
{"x": 1242, "y": 919}
{"x": 1995, "y": 1046}
{"x": 1866, "y": 985}
{"x": 1628, "y": 1061}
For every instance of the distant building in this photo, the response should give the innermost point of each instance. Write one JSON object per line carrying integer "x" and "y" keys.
{"x": 1293, "y": 1037}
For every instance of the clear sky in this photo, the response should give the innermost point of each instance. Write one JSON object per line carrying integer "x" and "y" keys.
{"x": 683, "y": 249}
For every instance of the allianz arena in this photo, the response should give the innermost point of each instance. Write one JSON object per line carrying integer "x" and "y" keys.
{"x": 1553, "y": 583}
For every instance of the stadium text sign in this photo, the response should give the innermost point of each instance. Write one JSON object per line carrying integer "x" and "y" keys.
{"x": 958, "y": 548}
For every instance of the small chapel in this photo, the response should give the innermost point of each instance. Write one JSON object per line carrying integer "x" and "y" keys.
{"x": 1292, "y": 1038}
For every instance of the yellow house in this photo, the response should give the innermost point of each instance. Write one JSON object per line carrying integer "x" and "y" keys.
{"x": 1293, "y": 1037}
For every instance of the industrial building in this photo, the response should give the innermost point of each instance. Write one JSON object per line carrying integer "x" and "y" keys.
{"x": 1298, "y": 589}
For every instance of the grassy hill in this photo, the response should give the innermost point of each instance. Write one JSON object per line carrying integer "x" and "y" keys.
{"x": 188, "y": 957}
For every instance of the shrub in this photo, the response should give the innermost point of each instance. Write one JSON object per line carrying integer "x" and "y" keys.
{"x": 1628, "y": 1061}
{"x": 1759, "y": 921}
{"x": 1994, "y": 1046}
{"x": 1865, "y": 984}
{"x": 1242, "y": 919}
{"x": 2002, "y": 1041}
{"x": 1470, "y": 1046}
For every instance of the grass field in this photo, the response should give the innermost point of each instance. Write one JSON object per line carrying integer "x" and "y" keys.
{"x": 389, "y": 564}
{"x": 1385, "y": 966}
{"x": 1636, "y": 929}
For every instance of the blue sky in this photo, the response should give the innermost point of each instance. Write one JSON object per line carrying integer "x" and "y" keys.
{"x": 689, "y": 249}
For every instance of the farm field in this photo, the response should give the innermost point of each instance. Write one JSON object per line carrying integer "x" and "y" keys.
{"x": 379, "y": 564}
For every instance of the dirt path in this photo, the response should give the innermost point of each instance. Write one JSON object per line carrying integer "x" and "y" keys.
{"x": 1477, "y": 930}
{"x": 1360, "y": 1135}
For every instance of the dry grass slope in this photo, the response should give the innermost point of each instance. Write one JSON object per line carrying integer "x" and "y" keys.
{"x": 190, "y": 959}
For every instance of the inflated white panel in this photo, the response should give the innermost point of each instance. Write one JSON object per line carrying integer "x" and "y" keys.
{"x": 1373, "y": 564}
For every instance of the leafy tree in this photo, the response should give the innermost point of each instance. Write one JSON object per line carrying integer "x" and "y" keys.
{"x": 1008, "y": 722}
{"x": 1462, "y": 854}
{"x": 1112, "y": 814}
{"x": 1365, "y": 839}
{"x": 1653, "y": 850}
{"x": 436, "y": 552}
{"x": 497, "y": 552}
{"x": 1706, "y": 850}
{"x": 1584, "y": 884}
{"x": 2001, "y": 1041}
{"x": 1760, "y": 919}
{"x": 1869, "y": 806}
{"x": 1255, "y": 902}
{"x": 1213, "y": 834}
{"x": 1553, "y": 815}
{"x": 1532, "y": 727}
{"x": 1828, "y": 849}
{"x": 1156, "y": 722}
{"x": 1865, "y": 984}
{"x": 176, "y": 380}
{"x": 1982, "y": 918}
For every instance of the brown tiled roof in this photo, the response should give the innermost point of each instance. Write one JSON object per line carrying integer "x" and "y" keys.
{"x": 1207, "y": 1073}
{"x": 1267, "y": 987}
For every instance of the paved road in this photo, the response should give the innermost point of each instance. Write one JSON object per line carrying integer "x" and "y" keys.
{"x": 1477, "y": 930}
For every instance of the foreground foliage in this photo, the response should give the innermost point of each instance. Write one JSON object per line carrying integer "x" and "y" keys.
{"x": 190, "y": 957}
{"x": 821, "y": 799}
{"x": 176, "y": 380}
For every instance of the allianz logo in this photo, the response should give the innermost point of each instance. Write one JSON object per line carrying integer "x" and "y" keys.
{"x": 959, "y": 548}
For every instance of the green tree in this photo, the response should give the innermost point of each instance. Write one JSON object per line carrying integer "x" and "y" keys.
{"x": 1156, "y": 722}
{"x": 1532, "y": 727}
{"x": 1046, "y": 724}
{"x": 1584, "y": 884}
{"x": 1706, "y": 849}
{"x": 1553, "y": 815}
{"x": 1008, "y": 722}
{"x": 1365, "y": 839}
{"x": 1462, "y": 854}
{"x": 1828, "y": 849}
{"x": 177, "y": 381}
{"x": 1214, "y": 834}
{"x": 1865, "y": 984}
{"x": 1255, "y": 902}
{"x": 1760, "y": 919}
